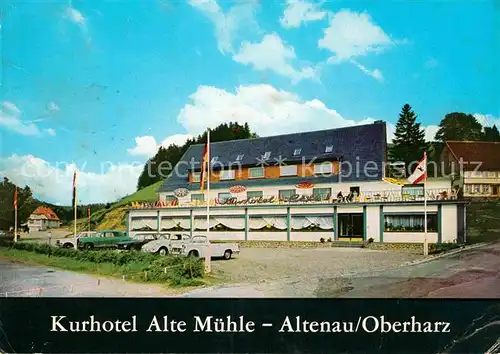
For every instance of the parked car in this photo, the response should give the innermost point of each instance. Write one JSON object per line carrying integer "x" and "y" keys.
{"x": 70, "y": 242}
{"x": 198, "y": 247}
{"x": 165, "y": 242}
{"x": 138, "y": 240}
{"x": 103, "y": 239}
{"x": 8, "y": 235}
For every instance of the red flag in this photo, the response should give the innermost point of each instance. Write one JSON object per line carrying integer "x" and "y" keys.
{"x": 204, "y": 163}
{"x": 15, "y": 199}
{"x": 420, "y": 172}
{"x": 74, "y": 188}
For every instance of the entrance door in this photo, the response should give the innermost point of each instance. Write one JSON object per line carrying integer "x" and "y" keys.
{"x": 495, "y": 190}
{"x": 351, "y": 226}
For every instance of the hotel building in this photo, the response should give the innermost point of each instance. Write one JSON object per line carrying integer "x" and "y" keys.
{"x": 311, "y": 186}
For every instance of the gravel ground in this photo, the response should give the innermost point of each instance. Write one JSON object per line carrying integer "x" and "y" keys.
{"x": 255, "y": 265}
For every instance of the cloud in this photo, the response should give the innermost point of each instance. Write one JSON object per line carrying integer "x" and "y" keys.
{"x": 267, "y": 110}
{"x": 298, "y": 12}
{"x": 487, "y": 120}
{"x": 53, "y": 182}
{"x": 229, "y": 25}
{"x": 75, "y": 16}
{"x": 146, "y": 146}
{"x": 430, "y": 132}
{"x": 51, "y": 131}
{"x": 353, "y": 34}
{"x": 376, "y": 74}
{"x": 431, "y": 63}
{"x": 275, "y": 55}
{"x": 10, "y": 118}
{"x": 52, "y": 106}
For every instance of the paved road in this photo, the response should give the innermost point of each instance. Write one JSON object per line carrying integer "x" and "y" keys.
{"x": 21, "y": 280}
{"x": 473, "y": 273}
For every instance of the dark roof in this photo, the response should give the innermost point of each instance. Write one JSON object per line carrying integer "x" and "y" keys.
{"x": 474, "y": 152}
{"x": 362, "y": 143}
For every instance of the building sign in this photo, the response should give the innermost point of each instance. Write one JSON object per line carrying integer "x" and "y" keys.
{"x": 269, "y": 200}
{"x": 304, "y": 185}
{"x": 181, "y": 192}
{"x": 237, "y": 189}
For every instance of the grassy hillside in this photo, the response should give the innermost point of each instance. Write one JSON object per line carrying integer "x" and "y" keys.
{"x": 146, "y": 194}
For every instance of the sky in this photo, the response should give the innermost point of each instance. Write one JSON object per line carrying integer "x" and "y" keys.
{"x": 100, "y": 85}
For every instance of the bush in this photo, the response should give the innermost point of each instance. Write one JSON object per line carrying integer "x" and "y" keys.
{"x": 173, "y": 270}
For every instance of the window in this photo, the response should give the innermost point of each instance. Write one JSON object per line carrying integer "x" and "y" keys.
{"x": 329, "y": 148}
{"x": 467, "y": 174}
{"x": 414, "y": 190}
{"x": 491, "y": 174}
{"x": 410, "y": 222}
{"x": 197, "y": 197}
{"x": 214, "y": 159}
{"x": 224, "y": 196}
{"x": 196, "y": 177}
{"x": 354, "y": 191}
{"x": 297, "y": 152}
{"x": 477, "y": 188}
{"x": 267, "y": 155}
{"x": 476, "y": 174}
{"x": 322, "y": 193}
{"x": 467, "y": 188}
{"x": 486, "y": 188}
{"x": 226, "y": 175}
{"x": 254, "y": 194}
{"x": 256, "y": 172}
{"x": 288, "y": 170}
{"x": 286, "y": 193}
{"x": 325, "y": 167}
{"x": 239, "y": 157}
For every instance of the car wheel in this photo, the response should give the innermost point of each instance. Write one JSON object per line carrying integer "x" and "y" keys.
{"x": 68, "y": 245}
{"x": 193, "y": 254}
{"x": 228, "y": 254}
{"x": 88, "y": 246}
{"x": 163, "y": 251}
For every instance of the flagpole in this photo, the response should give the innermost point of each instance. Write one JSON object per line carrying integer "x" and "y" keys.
{"x": 15, "y": 215}
{"x": 208, "y": 257}
{"x": 426, "y": 245}
{"x": 74, "y": 206}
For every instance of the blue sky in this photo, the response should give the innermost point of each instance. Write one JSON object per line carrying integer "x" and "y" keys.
{"x": 100, "y": 85}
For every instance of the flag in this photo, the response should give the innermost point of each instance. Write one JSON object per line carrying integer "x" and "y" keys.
{"x": 15, "y": 199}
{"x": 420, "y": 172}
{"x": 204, "y": 164}
{"x": 74, "y": 189}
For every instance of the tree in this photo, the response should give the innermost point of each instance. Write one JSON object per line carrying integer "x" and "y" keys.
{"x": 409, "y": 143}
{"x": 491, "y": 134}
{"x": 459, "y": 127}
{"x": 159, "y": 166}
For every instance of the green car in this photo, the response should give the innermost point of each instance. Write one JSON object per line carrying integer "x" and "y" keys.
{"x": 103, "y": 239}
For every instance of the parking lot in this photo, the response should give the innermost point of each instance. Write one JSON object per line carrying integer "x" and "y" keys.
{"x": 277, "y": 266}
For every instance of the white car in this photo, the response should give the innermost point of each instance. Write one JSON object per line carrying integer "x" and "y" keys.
{"x": 70, "y": 242}
{"x": 164, "y": 243}
{"x": 198, "y": 246}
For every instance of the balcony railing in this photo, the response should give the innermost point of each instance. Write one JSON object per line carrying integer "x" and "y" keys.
{"x": 364, "y": 197}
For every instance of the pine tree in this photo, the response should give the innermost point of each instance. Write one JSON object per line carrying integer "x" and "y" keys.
{"x": 409, "y": 143}
{"x": 491, "y": 133}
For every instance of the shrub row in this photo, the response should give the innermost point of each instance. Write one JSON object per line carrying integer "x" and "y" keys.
{"x": 173, "y": 270}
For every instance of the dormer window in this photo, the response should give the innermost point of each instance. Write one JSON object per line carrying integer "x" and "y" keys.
{"x": 297, "y": 152}
{"x": 267, "y": 155}
{"x": 329, "y": 148}
{"x": 239, "y": 157}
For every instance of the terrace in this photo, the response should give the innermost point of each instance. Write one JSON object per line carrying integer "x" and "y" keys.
{"x": 385, "y": 196}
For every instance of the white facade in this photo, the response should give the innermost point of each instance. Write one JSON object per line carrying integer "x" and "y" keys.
{"x": 383, "y": 212}
{"x": 41, "y": 223}
{"x": 481, "y": 184}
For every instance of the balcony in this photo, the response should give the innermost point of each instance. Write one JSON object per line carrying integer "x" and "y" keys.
{"x": 387, "y": 196}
